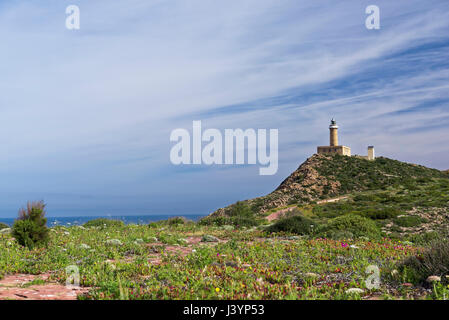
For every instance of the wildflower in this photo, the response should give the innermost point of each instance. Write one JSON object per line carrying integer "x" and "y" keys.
{"x": 217, "y": 289}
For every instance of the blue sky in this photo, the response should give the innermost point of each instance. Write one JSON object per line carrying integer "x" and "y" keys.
{"x": 86, "y": 115}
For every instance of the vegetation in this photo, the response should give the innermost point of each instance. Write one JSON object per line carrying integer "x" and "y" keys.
{"x": 30, "y": 228}
{"x": 238, "y": 215}
{"x": 350, "y": 226}
{"x": 295, "y": 224}
{"x": 431, "y": 261}
{"x": 103, "y": 223}
{"x": 327, "y": 176}
{"x": 351, "y": 214}
{"x": 3, "y": 226}
{"x": 171, "y": 262}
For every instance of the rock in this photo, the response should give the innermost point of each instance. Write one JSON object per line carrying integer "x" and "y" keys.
{"x": 354, "y": 290}
{"x": 311, "y": 275}
{"x": 111, "y": 264}
{"x": 394, "y": 273}
{"x": 138, "y": 241}
{"x": 432, "y": 279}
{"x": 209, "y": 238}
{"x": 6, "y": 231}
{"x": 115, "y": 242}
{"x": 153, "y": 239}
{"x": 293, "y": 238}
{"x": 84, "y": 246}
{"x": 227, "y": 227}
{"x": 246, "y": 265}
{"x": 353, "y": 246}
{"x": 340, "y": 260}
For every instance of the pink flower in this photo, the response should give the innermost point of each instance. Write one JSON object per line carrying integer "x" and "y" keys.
{"x": 344, "y": 245}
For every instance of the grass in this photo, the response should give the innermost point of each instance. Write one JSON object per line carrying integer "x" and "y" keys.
{"x": 245, "y": 264}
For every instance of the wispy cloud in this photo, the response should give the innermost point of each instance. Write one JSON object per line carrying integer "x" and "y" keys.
{"x": 90, "y": 112}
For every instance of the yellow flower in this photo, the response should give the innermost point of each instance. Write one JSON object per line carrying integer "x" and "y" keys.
{"x": 217, "y": 289}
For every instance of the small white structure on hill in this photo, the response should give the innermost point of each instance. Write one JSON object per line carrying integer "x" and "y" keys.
{"x": 371, "y": 155}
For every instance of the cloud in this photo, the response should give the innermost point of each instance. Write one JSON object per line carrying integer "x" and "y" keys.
{"x": 90, "y": 111}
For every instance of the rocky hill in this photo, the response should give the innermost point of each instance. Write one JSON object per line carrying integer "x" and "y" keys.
{"x": 323, "y": 177}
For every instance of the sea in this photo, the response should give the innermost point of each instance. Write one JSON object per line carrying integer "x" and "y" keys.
{"x": 73, "y": 221}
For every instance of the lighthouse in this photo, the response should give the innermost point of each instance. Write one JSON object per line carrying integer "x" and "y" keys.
{"x": 333, "y": 146}
{"x": 333, "y": 128}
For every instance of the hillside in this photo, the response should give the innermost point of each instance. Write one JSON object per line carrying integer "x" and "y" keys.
{"x": 328, "y": 176}
{"x": 400, "y": 197}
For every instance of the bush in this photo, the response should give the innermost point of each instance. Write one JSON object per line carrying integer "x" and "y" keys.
{"x": 30, "y": 228}
{"x": 104, "y": 223}
{"x": 3, "y": 226}
{"x": 432, "y": 261}
{"x": 409, "y": 221}
{"x": 351, "y": 224}
{"x": 240, "y": 209}
{"x": 385, "y": 213}
{"x": 425, "y": 238}
{"x": 236, "y": 221}
{"x": 176, "y": 221}
{"x": 238, "y": 215}
{"x": 295, "y": 224}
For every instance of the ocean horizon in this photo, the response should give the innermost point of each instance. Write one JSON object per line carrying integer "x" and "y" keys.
{"x": 127, "y": 219}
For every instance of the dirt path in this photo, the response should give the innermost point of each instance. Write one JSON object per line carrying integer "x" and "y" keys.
{"x": 332, "y": 200}
{"x": 278, "y": 214}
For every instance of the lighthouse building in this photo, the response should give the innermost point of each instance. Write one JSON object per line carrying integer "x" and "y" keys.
{"x": 333, "y": 146}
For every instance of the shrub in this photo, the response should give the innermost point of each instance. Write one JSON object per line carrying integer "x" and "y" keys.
{"x": 3, "y": 226}
{"x": 240, "y": 209}
{"x": 173, "y": 221}
{"x": 104, "y": 223}
{"x": 240, "y": 215}
{"x": 236, "y": 221}
{"x": 432, "y": 261}
{"x": 385, "y": 213}
{"x": 244, "y": 221}
{"x": 351, "y": 224}
{"x": 295, "y": 224}
{"x": 30, "y": 228}
{"x": 409, "y": 221}
{"x": 425, "y": 238}
{"x": 176, "y": 221}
